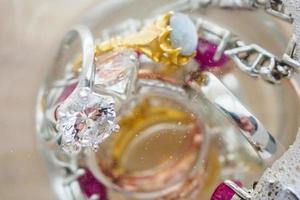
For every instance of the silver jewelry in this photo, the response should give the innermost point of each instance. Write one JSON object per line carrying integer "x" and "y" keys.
{"x": 253, "y": 130}
{"x": 274, "y": 71}
{"x": 266, "y": 65}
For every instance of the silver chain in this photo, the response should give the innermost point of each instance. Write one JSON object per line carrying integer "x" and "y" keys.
{"x": 265, "y": 65}
{"x": 278, "y": 9}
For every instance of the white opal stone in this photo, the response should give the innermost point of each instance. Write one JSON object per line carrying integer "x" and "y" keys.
{"x": 183, "y": 34}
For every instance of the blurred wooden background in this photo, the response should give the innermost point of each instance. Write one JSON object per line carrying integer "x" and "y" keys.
{"x": 30, "y": 31}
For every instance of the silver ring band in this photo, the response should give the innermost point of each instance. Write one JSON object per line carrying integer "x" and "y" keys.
{"x": 251, "y": 128}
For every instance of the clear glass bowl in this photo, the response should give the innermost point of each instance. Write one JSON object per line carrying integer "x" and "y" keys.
{"x": 224, "y": 153}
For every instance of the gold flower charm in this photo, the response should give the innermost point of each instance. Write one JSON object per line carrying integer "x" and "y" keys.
{"x": 171, "y": 40}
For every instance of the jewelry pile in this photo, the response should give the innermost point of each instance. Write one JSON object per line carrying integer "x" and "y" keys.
{"x": 148, "y": 114}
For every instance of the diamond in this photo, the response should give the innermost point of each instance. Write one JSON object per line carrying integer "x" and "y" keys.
{"x": 85, "y": 119}
{"x": 116, "y": 71}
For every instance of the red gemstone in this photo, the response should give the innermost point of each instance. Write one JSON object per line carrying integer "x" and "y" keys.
{"x": 205, "y": 55}
{"x": 224, "y": 192}
{"x": 90, "y": 186}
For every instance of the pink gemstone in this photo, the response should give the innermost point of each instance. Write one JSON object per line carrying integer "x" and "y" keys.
{"x": 90, "y": 186}
{"x": 66, "y": 92}
{"x": 205, "y": 55}
{"x": 223, "y": 192}
{"x": 64, "y": 95}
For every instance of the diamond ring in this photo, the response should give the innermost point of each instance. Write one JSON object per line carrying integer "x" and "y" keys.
{"x": 84, "y": 118}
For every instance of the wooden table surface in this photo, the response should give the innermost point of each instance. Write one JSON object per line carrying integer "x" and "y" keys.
{"x": 30, "y": 31}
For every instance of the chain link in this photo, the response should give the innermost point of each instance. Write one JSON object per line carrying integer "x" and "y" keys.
{"x": 257, "y": 62}
{"x": 289, "y": 57}
{"x": 252, "y": 59}
{"x": 278, "y": 9}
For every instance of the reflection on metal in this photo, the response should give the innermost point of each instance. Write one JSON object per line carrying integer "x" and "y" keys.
{"x": 251, "y": 128}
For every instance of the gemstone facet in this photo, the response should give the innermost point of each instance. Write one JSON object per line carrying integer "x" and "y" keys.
{"x": 85, "y": 119}
{"x": 223, "y": 192}
{"x": 183, "y": 34}
{"x": 116, "y": 71}
{"x": 205, "y": 55}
